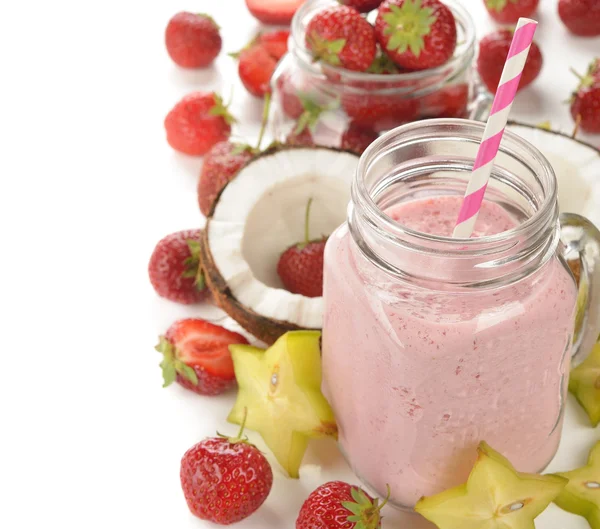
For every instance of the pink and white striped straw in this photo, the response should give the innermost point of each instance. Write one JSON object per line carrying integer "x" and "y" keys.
{"x": 494, "y": 129}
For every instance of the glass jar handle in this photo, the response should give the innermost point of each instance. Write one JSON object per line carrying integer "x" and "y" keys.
{"x": 582, "y": 246}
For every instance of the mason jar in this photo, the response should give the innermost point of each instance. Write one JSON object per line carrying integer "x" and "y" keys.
{"x": 315, "y": 103}
{"x": 432, "y": 344}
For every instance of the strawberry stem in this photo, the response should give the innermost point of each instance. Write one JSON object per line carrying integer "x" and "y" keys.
{"x": 306, "y": 222}
{"x": 265, "y": 117}
{"x": 577, "y": 124}
{"x": 243, "y": 425}
{"x": 576, "y": 74}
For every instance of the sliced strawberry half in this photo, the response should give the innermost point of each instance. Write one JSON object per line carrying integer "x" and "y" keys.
{"x": 196, "y": 355}
{"x": 273, "y": 11}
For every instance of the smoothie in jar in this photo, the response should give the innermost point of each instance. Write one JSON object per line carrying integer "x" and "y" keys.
{"x": 419, "y": 375}
{"x": 431, "y": 343}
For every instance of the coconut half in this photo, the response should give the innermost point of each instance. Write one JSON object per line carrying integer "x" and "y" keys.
{"x": 258, "y": 215}
{"x": 577, "y": 168}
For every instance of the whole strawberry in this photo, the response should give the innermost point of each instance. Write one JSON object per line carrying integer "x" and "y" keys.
{"x": 174, "y": 268}
{"x": 192, "y": 40}
{"x": 340, "y": 36}
{"x": 356, "y": 138}
{"x": 257, "y": 61}
{"x": 197, "y": 122}
{"x": 585, "y": 103}
{"x": 509, "y": 11}
{"x": 364, "y": 6}
{"x": 219, "y": 166}
{"x": 338, "y": 505}
{"x": 196, "y": 355}
{"x": 493, "y": 51}
{"x": 416, "y": 34}
{"x": 225, "y": 480}
{"x": 223, "y": 162}
{"x": 582, "y": 17}
{"x": 300, "y": 267}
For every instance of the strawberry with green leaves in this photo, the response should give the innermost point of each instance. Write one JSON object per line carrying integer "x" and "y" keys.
{"x": 196, "y": 355}
{"x": 416, "y": 34}
{"x": 585, "y": 101}
{"x": 339, "y": 505}
{"x": 258, "y": 60}
{"x": 174, "y": 268}
{"x": 197, "y": 122}
{"x": 340, "y": 36}
{"x": 225, "y": 479}
{"x": 509, "y": 11}
{"x": 223, "y": 162}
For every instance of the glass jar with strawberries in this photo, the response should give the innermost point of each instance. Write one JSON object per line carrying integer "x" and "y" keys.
{"x": 354, "y": 71}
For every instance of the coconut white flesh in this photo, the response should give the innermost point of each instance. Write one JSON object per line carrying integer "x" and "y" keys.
{"x": 577, "y": 168}
{"x": 261, "y": 213}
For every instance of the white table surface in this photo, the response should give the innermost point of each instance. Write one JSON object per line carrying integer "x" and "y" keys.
{"x": 88, "y": 185}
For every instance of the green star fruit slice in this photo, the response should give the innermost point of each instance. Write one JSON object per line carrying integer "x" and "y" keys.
{"x": 495, "y": 496}
{"x": 582, "y": 494}
{"x": 281, "y": 390}
{"x": 584, "y": 384}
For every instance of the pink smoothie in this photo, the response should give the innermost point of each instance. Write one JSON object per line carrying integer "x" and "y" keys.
{"x": 418, "y": 377}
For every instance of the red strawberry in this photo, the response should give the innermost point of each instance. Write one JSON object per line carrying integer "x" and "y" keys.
{"x": 493, "y": 51}
{"x": 300, "y": 267}
{"x": 259, "y": 59}
{"x": 197, "y": 122}
{"x": 223, "y": 162}
{"x": 276, "y": 42}
{"x": 357, "y": 138}
{"x": 581, "y": 17}
{"x": 509, "y": 11}
{"x": 340, "y": 36}
{"x": 196, "y": 355}
{"x": 273, "y": 11}
{"x": 379, "y": 111}
{"x": 174, "y": 268}
{"x": 193, "y": 40}
{"x": 364, "y": 6}
{"x": 225, "y": 480}
{"x": 416, "y": 34}
{"x": 448, "y": 102}
{"x": 255, "y": 69}
{"x": 338, "y": 505}
{"x": 219, "y": 166}
{"x": 585, "y": 102}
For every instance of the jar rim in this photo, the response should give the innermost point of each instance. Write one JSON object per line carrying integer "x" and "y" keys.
{"x": 455, "y": 246}
{"x": 461, "y": 59}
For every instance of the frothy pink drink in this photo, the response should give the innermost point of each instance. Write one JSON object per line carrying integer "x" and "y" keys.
{"x": 418, "y": 377}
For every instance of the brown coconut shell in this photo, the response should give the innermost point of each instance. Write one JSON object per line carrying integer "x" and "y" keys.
{"x": 265, "y": 329}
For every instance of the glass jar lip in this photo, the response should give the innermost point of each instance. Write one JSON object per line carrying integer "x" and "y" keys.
{"x": 458, "y": 60}
{"x": 450, "y": 245}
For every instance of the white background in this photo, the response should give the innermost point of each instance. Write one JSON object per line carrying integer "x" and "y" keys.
{"x": 88, "y": 185}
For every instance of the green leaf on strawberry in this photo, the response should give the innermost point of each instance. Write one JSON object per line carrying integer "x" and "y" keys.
{"x": 498, "y": 5}
{"x": 326, "y": 50}
{"x": 171, "y": 365}
{"x": 192, "y": 265}
{"x": 408, "y": 25}
{"x": 220, "y": 109}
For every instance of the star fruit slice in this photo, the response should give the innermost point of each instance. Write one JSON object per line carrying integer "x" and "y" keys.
{"x": 582, "y": 493}
{"x": 584, "y": 383}
{"x": 281, "y": 390}
{"x": 495, "y": 496}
